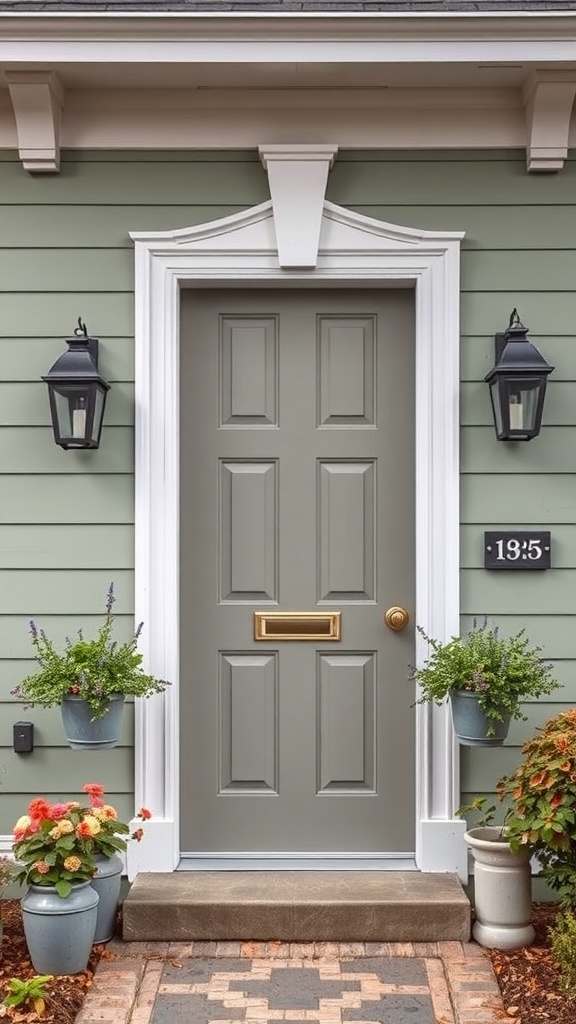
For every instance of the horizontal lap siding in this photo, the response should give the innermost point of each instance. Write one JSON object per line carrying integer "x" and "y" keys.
{"x": 519, "y": 250}
{"x": 67, "y": 518}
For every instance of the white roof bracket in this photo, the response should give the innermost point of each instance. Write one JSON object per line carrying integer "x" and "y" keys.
{"x": 37, "y": 100}
{"x": 548, "y": 98}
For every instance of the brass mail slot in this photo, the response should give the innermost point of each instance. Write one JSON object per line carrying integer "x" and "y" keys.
{"x": 297, "y": 625}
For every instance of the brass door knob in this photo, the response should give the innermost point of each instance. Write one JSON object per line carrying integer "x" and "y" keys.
{"x": 396, "y": 618}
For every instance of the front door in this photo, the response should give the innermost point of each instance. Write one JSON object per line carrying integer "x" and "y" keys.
{"x": 297, "y": 497}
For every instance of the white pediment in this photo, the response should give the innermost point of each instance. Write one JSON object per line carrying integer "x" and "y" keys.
{"x": 253, "y": 232}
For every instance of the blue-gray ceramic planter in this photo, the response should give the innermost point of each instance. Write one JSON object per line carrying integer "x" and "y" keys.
{"x": 471, "y": 724}
{"x": 107, "y": 883}
{"x": 83, "y": 731}
{"x": 59, "y": 932}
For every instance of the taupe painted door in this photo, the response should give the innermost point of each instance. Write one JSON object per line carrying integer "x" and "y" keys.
{"x": 297, "y": 495}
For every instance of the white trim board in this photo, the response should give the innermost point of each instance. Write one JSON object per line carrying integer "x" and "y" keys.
{"x": 241, "y": 250}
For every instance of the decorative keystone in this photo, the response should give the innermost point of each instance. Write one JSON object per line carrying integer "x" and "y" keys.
{"x": 297, "y": 175}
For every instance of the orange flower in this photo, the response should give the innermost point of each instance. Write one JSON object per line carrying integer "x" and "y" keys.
{"x": 561, "y": 744}
{"x": 41, "y": 867}
{"x": 83, "y": 830}
{"x": 144, "y": 813}
{"x": 72, "y": 863}
{"x": 39, "y": 808}
{"x": 556, "y": 800}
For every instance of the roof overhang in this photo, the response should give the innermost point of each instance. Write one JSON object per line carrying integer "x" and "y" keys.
{"x": 75, "y": 72}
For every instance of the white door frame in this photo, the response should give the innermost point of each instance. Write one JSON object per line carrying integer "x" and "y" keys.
{"x": 242, "y": 251}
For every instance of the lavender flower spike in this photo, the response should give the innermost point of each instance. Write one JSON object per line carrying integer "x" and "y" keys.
{"x": 110, "y": 599}
{"x": 33, "y": 630}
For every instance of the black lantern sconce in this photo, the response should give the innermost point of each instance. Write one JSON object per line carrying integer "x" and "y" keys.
{"x": 77, "y": 393}
{"x": 517, "y": 384}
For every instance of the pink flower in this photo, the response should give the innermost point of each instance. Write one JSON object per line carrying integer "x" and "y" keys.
{"x": 58, "y": 811}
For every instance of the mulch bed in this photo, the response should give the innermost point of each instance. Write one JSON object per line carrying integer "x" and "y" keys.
{"x": 528, "y": 978}
{"x": 64, "y": 995}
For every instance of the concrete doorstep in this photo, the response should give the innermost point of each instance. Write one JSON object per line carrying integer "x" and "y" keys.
{"x": 297, "y": 906}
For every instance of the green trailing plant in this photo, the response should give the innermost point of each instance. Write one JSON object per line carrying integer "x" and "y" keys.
{"x": 542, "y": 796}
{"x": 563, "y": 940}
{"x": 94, "y": 670}
{"x": 29, "y": 992}
{"x": 500, "y": 671}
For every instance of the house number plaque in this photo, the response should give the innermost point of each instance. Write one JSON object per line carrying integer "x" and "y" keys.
{"x": 517, "y": 549}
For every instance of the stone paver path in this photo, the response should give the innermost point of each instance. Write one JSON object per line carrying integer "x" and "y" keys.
{"x": 323, "y": 983}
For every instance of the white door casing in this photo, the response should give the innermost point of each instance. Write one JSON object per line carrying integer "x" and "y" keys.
{"x": 242, "y": 250}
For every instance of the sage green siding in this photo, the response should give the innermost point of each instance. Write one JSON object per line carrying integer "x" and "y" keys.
{"x": 66, "y": 519}
{"x": 519, "y": 250}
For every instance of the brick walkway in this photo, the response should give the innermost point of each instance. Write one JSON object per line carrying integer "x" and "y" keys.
{"x": 322, "y": 982}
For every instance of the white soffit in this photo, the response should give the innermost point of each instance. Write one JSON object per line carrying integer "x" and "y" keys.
{"x": 164, "y": 81}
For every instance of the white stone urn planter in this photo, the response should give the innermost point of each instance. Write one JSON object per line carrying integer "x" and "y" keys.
{"x": 502, "y": 890}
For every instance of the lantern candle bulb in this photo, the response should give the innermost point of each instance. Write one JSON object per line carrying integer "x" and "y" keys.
{"x": 79, "y": 419}
{"x": 516, "y": 417}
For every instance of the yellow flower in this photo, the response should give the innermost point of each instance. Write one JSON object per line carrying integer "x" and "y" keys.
{"x": 92, "y": 824}
{"x": 63, "y": 828}
{"x": 72, "y": 863}
{"x": 104, "y": 813}
{"x": 21, "y": 826}
{"x": 42, "y": 867}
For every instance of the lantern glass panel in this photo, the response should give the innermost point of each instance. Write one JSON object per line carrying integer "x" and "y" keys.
{"x": 71, "y": 407}
{"x": 99, "y": 401}
{"x": 521, "y": 396}
{"x": 496, "y": 407}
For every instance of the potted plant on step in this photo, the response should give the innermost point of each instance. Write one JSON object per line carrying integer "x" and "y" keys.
{"x": 486, "y": 677}
{"x": 89, "y": 679}
{"x": 502, "y": 882}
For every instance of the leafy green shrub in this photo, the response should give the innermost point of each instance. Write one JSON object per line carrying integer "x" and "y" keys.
{"x": 542, "y": 795}
{"x": 563, "y": 938}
